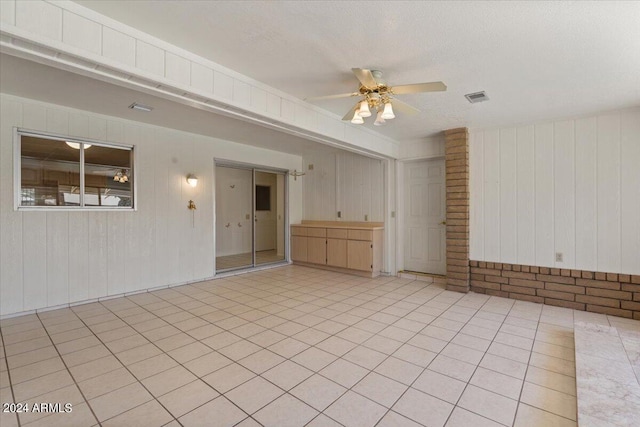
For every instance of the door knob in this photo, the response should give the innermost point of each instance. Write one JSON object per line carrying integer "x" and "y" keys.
{"x": 444, "y": 223}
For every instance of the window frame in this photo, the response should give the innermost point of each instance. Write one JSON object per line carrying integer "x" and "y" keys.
{"x": 17, "y": 171}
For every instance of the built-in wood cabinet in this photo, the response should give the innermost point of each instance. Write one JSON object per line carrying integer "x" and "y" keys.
{"x": 337, "y": 252}
{"x": 359, "y": 255}
{"x": 317, "y": 250}
{"x": 299, "y": 244}
{"x": 347, "y": 247}
{"x": 299, "y": 248}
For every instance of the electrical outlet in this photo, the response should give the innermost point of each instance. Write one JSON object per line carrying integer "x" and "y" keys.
{"x": 247, "y": 216}
{"x": 558, "y": 256}
{"x": 339, "y": 214}
{"x": 311, "y": 167}
{"x": 393, "y": 214}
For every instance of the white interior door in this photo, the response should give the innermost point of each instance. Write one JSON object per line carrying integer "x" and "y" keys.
{"x": 424, "y": 214}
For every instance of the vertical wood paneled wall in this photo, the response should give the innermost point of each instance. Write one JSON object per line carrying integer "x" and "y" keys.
{"x": 51, "y": 258}
{"x": 345, "y": 182}
{"x": 570, "y": 187}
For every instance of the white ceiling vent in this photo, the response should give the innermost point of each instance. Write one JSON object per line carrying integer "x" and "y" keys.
{"x": 476, "y": 97}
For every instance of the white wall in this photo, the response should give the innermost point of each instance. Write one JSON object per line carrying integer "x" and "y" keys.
{"x": 422, "y": 149}
{"x": 570, "y": 186}
{"x": 345, "y": 182}
{"x": 53, "y": 258}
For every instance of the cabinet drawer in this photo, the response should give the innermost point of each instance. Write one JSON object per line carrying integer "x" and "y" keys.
{"x": 317, "y": 232}
{"x": 361, "y": 235}
{"x": 298, "y": 231}
{"x": 336, "y": 233}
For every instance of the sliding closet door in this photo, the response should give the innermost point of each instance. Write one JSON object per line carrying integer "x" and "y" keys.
{"x": 234, "y": 218}
{"x": 269, "y": 217}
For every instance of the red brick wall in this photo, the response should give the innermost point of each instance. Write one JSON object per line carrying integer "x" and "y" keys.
{"x": 457, "y": 185}
{"x": 609, "y": 293}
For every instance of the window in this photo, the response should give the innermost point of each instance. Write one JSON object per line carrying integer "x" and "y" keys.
{"x": 67, "y": 172}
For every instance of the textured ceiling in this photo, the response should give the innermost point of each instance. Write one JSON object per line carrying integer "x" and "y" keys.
{"x": 535, "y": 60}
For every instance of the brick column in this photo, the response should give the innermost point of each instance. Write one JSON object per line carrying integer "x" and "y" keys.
{"x": 457, "y": 183}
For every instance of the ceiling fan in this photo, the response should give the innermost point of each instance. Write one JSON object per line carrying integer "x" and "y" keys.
{"x": 376, "y": 95}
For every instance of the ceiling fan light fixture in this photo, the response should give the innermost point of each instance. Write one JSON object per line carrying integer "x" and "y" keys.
{"x": 122, "y": 176}
{"x": 374, "y": 95}
{"x": 379, "y": 120}
{"x": 77, "y": 145}
{"x": 364, "y": 111}
{"x": 387, "y": 114}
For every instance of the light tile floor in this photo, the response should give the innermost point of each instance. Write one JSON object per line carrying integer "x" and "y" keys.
{"x": 294, "y": 346}
{"x": 242, "y": 260}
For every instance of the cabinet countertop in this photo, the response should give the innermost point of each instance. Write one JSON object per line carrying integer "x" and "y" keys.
{"x": 349, "y": 226}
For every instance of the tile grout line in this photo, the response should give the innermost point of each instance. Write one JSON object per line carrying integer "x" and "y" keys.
{"x": 123, "y": 365}
{"x": 318, "y": 372}
{"x": 265, "y": 348}
{"x": 455, "y": 405}
{"x": 310, "y": 346}
{"x": 69, "y": 372}
{"x": 234, "y": 361}
{"x": 310, "y": 298}
{"x": 162, "y": 352}
{"x": 405, "y": 297}
{"x": 6, "y": 361}
{"x": 372, "y": 370}
{"x": 558, "y": 373}
{"x": 388, "y": 356}
{"x": 437, "y": 354}
{"x": 545, "y": 387}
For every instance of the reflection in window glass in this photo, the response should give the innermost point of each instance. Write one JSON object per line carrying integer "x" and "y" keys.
{"x": 107, "y": 176}
{"x": 49, "y": 171}
{"x": 51, "y": 168}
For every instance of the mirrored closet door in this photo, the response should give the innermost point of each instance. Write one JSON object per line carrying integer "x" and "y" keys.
{"x": 250, "y": 217}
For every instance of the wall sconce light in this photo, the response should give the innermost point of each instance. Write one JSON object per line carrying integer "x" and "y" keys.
{"x": 192, "y": 180}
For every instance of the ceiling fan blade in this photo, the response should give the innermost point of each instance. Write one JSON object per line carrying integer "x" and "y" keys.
{"x": 403, "y": 107}
{"x": 419, "y": 87}
{"x": 349, "y": 115}
{"x": 365, "y": 77}
{"x": 342, "y": 95}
